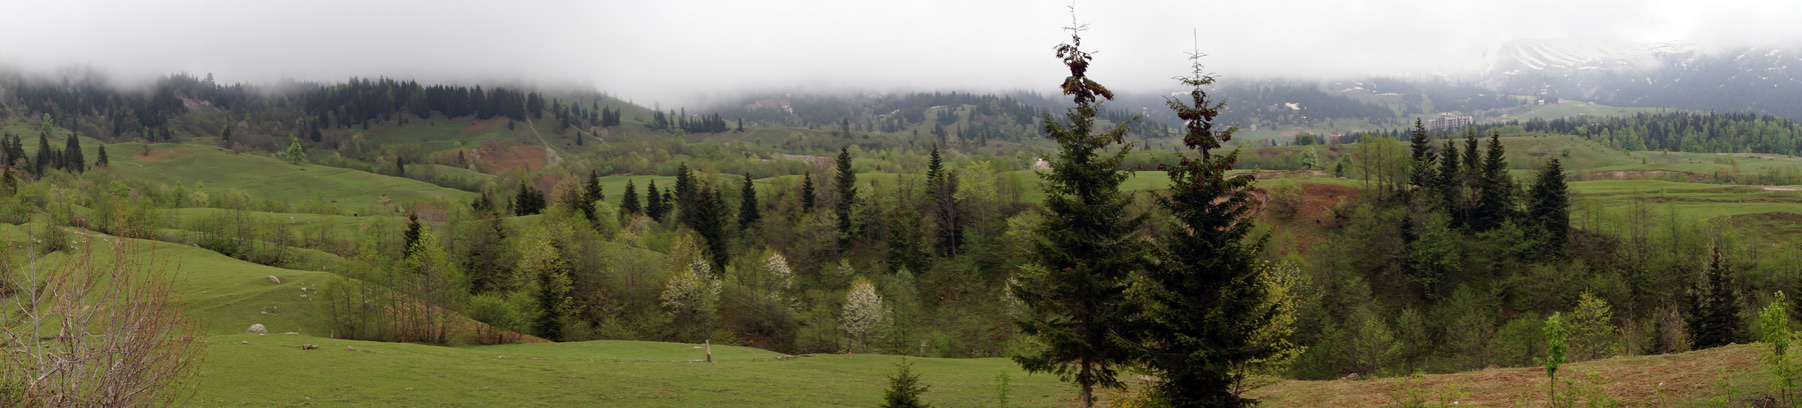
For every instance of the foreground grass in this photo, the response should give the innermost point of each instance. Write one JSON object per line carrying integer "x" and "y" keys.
{"x": 272, "y": 370}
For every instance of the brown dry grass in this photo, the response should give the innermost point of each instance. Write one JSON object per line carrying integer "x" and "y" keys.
{"x": 1640, "y": 381}
{"x": 494, "y": 158}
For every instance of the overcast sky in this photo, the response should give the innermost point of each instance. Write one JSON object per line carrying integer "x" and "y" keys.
{"x": 675, "y": 51}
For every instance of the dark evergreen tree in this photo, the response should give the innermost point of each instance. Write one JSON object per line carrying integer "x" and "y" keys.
{"x": 46, "y": 157}
{"x": 1495, "y": 199}
{"x": 905, "y": 249}
{"x": 73, "y": 160}
{"x": 1548, "y": 210}
{"x": 592, "y": 194}
{"x": 486, "y": 203}
{"x": 552, "y": 293}
{"x": 1086, "y": 247}
{"x": 1450, "y": 185}
{"x": 100, "y": 156}
{"x": 685, "y": 195}
{"x": 709, "y": 219}
{"x": 807, "y": 193}
{"x": 947, "y": 220}
{"x": 225, "y": 135}
{"x": 1203, "y": 304}
{"x": 411, "y": 236}
{"x": 1714, "y": 305}
{"x": 529, "y": 200}
{"x": 654, "y": 206}
{"x": 934, "y": 165}
{"x": 1421, "y": 149}
{"x": 847, "y": 197}
{"x": 748, "y": 211}
{"x": 628, "y": 201}
{"x": 904, "y": 388}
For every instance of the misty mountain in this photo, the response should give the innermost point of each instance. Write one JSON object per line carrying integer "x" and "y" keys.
{"x": 1756, "y": 79}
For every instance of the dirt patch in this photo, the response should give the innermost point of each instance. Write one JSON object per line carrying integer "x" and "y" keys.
{"x": 1636, "y": 381}
{"x": 495, "y": 158}
{"x": 1647, "y": 175}
{"x": 476, "y": 126}
{"x": 1290, "y": 174}
{"x": 1781, "y": 188}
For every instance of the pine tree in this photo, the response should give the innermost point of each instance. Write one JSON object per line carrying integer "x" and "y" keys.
{"x": 748, "y": 212}
{"x": 653, "y": 203}
{"x": 1204, "y": 303}
{"x": 72, "y": 157}
{"x": 709, "y": 220}
{"x": 1548, "y": 209}
{"x": 410, "y": 238}
{"x": 591, "y": 194}
{"x": 807, "y": 193}
{"x": 628, "y": 201}
{"x": 1421, "y": 148}
{"x": 904, "y": 388}
{"x": 529, "y": 200}
{"x": 1449, "y": 183}
{"x": 100, "y": 156}
{"x": 46, "y": 157}
{"x": 847, "y": 197}
{"x": 296, "y": 153}
{"x": 933, "y": 165}
{"x": 1714, "y": 305}
{"x": 947, "y": 221}
{"x": 1085, "y": 248}
{"x": 685, "y": 195}
{"x": 225, "y": 135}
{"x": 1495, "y": 200}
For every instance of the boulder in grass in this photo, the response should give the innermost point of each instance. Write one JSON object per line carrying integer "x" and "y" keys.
{"x": 257, "y": 328}
{"x": 275, "y": 280}
{"x": 308, "y": 346}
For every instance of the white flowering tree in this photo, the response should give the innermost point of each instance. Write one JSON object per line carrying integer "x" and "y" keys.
{"x": 865, "y": 314}
{"x": 691, "y": 296}
{"x": 779, "y": 277}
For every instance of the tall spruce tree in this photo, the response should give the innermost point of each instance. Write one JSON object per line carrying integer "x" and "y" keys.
{"x": 1495, "y": 199}
{"x": 592, "y": 194}
{"x": 807, "y": 192}
{"x": 709, "y": 221}
{"x": 934, "y": 165}
{"x": 1202, "y": 303}
{"x": 748, "y": 211}
{"x": 1714, "y": 305}
{"x": 1421, "y": 147}
{"x": 1449, "y": 184}
{"x": 73, "y": 160}
{"x": 847, "y": 198}
{"x": 628, "y": 201}
{"x": 100, "y": 156}
{"x": 46, "y": 157}
{"x": 685, "y": 196}
{"x": 654, "y": 206}
{"x": 1548, "y": 209}
{"x": 1085, "y": 248}
{"x": 947, "y": 220}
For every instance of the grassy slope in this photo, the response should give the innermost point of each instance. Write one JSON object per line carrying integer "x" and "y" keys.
{"x": 266, "y": 178}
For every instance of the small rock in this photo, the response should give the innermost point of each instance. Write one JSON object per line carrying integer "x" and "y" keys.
{"x": 243, "y": 342}
{"x": 349, "y": 348}
{"x": 290, "y": 333}
{"x": 257, "y": 328}
{"x": 1353, "y": 377}
{"x": 308, "y": 346}
{"x": 275, "y": 280}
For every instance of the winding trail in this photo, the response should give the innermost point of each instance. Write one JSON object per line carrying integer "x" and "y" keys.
{"x": 551, "y": 158}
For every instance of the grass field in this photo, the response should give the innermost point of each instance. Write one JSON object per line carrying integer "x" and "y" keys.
{"x": 272, "y": 370}
{"x": 266, "y": 178}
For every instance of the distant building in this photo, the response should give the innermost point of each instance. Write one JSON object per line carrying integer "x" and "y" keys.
{"x": 1447, "y": 121}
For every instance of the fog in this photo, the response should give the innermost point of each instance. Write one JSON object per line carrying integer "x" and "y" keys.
{"x": 674, "y": 52}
